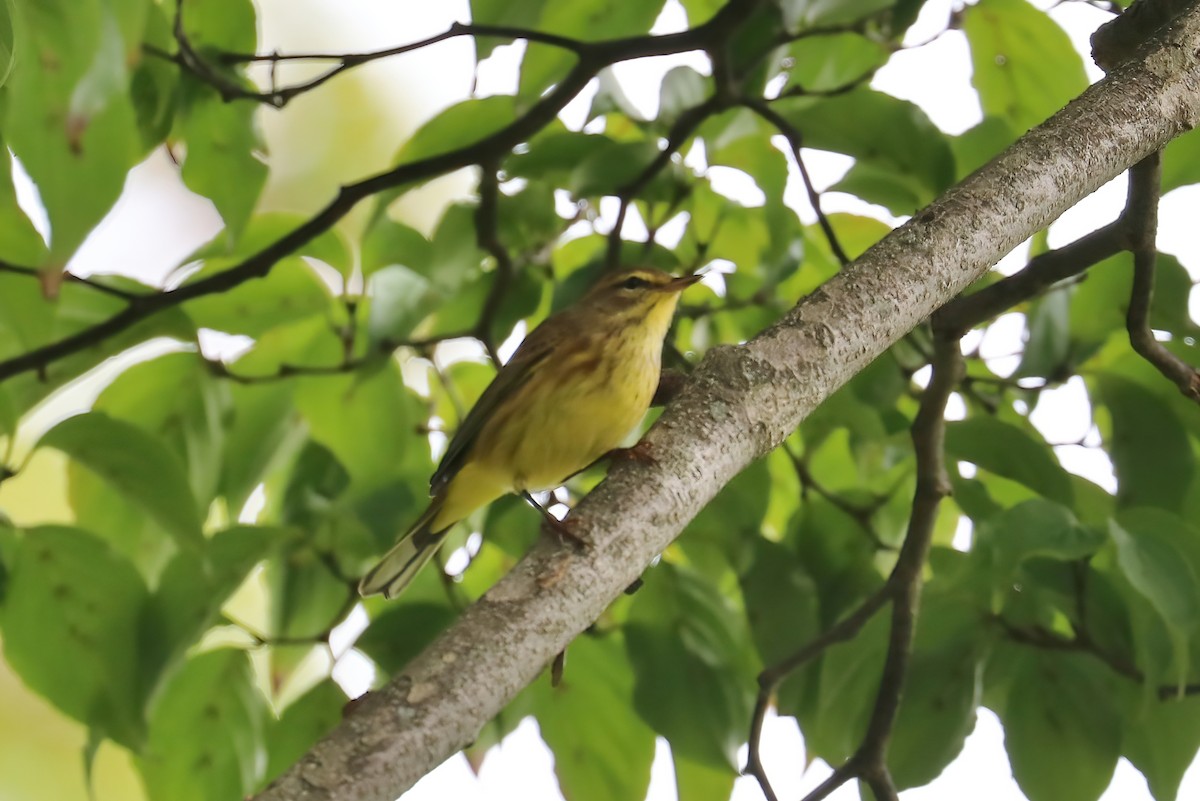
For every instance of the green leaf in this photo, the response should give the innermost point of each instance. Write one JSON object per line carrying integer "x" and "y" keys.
{"x": 400, "y": 300}
{"x": 72, "y": 126}
{"x": 1161, "y": 741}
{"x": 7, "y": 40}
{"x": 136, "y": 465}
{"x": 1062, "y": 729}
{"x": 264, "y": 430}
{"x": 915, "y": 152}
{"x": 685, "y": 643}
{"x": 682, "y": 88}
{"x": 306, "y": 720}
{"x": 1181, "y": 161}
{"x": 1006, "y": 450}
{"x": 222, "y": 162}
{"x": 849, "y": 675}
{"x": 1158, "y": 569}
{"x": 290, "y": 291}
{"x": 346, "y": 414}
{"x": 1149, "y": 446}
{"x": 822, "y": 63}
{"x": 455, "y": 257}
{"x": 977, "y": 146}
{"x": 609, "y": 757}
{"x": 206, "y": 732}
{"x": 175, "y": 398}
{"x": 1035, "y": 528}
{"x": 502, "y": 12}
{"x": 781, "y": 601}
{"x": 1047, "y": 338}
{"x": 402, "y": 631}
{"x": 19, "y": 240}
{"x": 1025, "y": 67}
{"x": 589, "y": 20}
{"x": 70, "y": 620}
{"x": 388, "y": 243}
{"x": 811, "y": 13}
{"x": 229, "y": 25}
{"x": 459, "y": 125}
{"x": 941, "y": 692}
{"x": 699, "y": 781}
{"x": 192, "y": 591}
{"x": 610, "y": 169}
{"x": 29, "y": 320}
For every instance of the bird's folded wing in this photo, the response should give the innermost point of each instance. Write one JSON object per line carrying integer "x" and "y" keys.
{"x": 533, "y": 352}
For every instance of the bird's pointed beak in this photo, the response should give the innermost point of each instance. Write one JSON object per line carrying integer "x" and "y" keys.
{"x": 681, "y": 283}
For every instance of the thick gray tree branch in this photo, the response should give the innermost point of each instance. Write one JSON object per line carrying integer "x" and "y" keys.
{"x": 741, "y": 402}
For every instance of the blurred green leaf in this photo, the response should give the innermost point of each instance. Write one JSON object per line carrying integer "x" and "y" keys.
{"x": 811, "y": 13}
{"x": 192, "y": 591}
{"x": 389, "y": 243}
{"x": 833, "y": 61}
{"x": 1006, "y": 450}
{"x": 941, "y": 693}
{"x": 73, "y": 126}
{"x": 1062, "y": 729}
{"x": 135, "y": 464}
{"x": 686, "y": 642}
{"x": 1148, "y": 445}
{"x": 682, "y": 88}
{"x": 368, "y": 421}
{"x": 458, "y": 126}
{"x": 609, "y": 757}
{"x": 1161, "y": 741}
{"x": 223, "y": 162}
{"x": 306, "y": 720}
{"x": 70, "y": 620}
{"x": 978, "y": 145}
{"x": 1156, "y": 567}
{"x": 502, "y": 12}
{"x": 206, "y": 732}
{"x": 589, "y": 20}
{"x": 402, "y": 631}
{"x": 1025, "y": 67}
{"x": 175, "y": 398}
{"x": 915, "y": 153}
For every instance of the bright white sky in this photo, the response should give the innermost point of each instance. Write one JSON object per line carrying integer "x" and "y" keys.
{"x": 158, "y": 222}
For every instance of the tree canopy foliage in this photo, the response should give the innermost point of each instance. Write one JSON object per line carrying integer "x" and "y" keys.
{"x": 1072, "y": 611}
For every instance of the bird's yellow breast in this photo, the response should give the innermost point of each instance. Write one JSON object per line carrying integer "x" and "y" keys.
{"x": 579, "y": 406}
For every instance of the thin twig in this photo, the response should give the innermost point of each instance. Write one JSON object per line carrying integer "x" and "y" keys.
{"x": 495, "y": 145}
{"x": 965, "y": 312}
{"x": 487, "y": 233}
{"x": 683, "y": 128}
{"x": 33, "y": 272}
{"x": 188, "y": 58}
{"x": 770, "y": 678}
{"x": 1141, "y": 215}
{"x": 796, "y": 142}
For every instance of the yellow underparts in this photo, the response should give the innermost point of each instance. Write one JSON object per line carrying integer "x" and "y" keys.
{"x": 573, "y": 410}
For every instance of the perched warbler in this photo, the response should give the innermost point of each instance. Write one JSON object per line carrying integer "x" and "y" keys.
{"x": 574, "y": 389}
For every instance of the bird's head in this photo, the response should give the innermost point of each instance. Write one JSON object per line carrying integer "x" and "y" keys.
{"x": 638, "y": 293}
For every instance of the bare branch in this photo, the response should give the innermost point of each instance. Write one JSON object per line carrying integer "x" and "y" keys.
{"x": 489, "y": 148}
{"x": 91, "y": 283}
{"x": 1141, "y": 215}
{"x": 962, "y": 314}
{"x": 796, "y": 142}
{"x": 685, "y": 125}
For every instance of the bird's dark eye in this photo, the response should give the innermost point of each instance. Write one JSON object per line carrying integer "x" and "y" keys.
{"x": 633, "y": 282}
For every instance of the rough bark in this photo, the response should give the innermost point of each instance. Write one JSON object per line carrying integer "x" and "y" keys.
{"x": 741, "y": 402}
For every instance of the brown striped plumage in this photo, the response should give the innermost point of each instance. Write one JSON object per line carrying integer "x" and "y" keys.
{"x": 575, "y": 388}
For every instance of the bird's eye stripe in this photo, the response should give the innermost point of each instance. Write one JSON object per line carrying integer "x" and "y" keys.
{"x": 633, "y": 282}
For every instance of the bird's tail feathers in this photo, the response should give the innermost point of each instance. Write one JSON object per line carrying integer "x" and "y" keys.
{"x": 401, "y": 564}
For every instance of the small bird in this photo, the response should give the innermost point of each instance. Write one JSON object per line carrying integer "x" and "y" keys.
{"x": 575, "y": 388}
